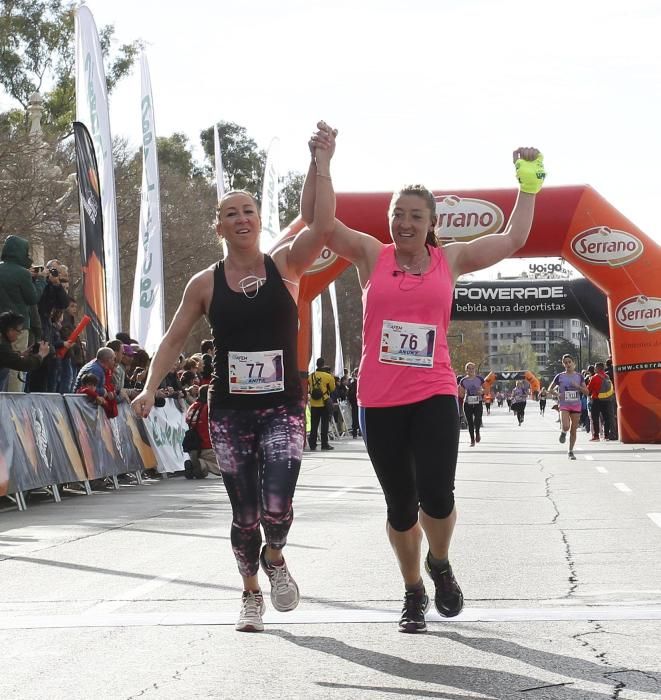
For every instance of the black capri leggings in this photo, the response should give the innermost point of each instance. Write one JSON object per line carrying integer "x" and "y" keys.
{"x": 473, "y": 413}
{"x": 413, "y": 449}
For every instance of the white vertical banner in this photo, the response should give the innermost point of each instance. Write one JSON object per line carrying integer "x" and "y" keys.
{"x": 339, "y": 359}
{"x": 218, "y": 159}
{"x": 92, "y": 110}
{"x": 315, "y": 318}
{"x": 270, "y": 207}
{"x": 147, "y": 308}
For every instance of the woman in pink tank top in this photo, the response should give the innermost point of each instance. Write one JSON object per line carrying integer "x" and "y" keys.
{"x": 407, "y": 388}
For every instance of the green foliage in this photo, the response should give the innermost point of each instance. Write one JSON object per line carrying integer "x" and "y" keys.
{"x": 243, "y": 166}
{"x": 290, "y": 194}
{"x": 556, "y": 351}
{"x": 37, "y": 54}
{"x": 467, "y": 344}
{"x": 243, "y": 162}
{"x": 174, "y": 153}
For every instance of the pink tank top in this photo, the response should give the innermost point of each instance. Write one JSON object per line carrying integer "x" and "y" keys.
{"x": 405, "y": 320}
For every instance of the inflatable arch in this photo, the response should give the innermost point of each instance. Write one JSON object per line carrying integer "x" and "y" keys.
{"x": 526, "y": 374}
{"x": 573, "y": 222}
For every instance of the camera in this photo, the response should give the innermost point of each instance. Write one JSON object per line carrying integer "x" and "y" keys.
{"x": 53, "y": 271}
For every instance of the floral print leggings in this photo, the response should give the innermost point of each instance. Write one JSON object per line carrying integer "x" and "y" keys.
{"x": 259, "y": 454}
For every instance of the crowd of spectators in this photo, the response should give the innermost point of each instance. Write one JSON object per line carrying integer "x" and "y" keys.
{"x": 37, "y": 318}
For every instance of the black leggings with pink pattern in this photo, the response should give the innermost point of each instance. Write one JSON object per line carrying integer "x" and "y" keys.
{"x": 259, "y": 454}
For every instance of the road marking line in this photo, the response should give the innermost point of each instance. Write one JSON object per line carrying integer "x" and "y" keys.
{"x": 333, "y": 616}
{"x": 655, "y": 518}
{"x": 602, "y": 470}
{"x": 130, "y": 596}
{"x": 590, "y": 457}
{"x": 622, "y": 487}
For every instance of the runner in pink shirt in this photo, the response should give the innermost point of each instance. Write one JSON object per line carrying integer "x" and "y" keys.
{"x": 407, "y": 390}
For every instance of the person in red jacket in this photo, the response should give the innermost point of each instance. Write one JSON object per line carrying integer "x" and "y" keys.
{"x": 201, "y": 461}
{"x": 88, "y": 384}
{"x": 601, "y": 393}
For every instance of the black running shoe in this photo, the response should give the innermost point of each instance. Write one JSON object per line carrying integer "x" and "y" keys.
{"x": 449, "y": 599}
{"x": 416, "y": 604}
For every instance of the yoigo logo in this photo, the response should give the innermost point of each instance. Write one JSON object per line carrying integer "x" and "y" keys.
{"x": 606, "y": 246}
{"x": 639, "y": 313}
{"x": 466, "y": 218}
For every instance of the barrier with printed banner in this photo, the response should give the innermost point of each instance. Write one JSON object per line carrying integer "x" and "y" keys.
{"x": 37, "y": 444}
{"x": 166, "y": 427}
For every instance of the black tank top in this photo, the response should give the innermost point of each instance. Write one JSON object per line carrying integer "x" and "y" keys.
{"x": 266, "y": 322}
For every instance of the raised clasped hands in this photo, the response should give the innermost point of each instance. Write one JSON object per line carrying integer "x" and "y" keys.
{"x": 322, "y": 141}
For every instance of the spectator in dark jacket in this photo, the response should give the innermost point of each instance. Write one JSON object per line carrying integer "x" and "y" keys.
{"x": 11, "y": 326}
{"x": 18, "y": 294}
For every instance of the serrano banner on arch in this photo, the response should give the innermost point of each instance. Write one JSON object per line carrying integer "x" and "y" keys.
{"x": 574, "y": 222}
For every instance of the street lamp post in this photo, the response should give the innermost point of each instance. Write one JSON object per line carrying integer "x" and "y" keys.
{"x": 589, "y": 337}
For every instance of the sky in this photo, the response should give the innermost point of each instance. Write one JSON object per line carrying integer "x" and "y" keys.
{"x": 427, "y": 91}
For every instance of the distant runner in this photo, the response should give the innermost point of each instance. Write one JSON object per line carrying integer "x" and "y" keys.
{"x": 519, "y": 398}
{"x": 570, "y": 385}
{"x": 471, "y": 392}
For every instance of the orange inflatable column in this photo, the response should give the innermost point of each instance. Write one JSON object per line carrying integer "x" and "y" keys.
{"x": 624, "y": 263}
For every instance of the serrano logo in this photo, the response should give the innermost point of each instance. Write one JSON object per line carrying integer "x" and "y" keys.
{"x": 606, "y": 246}
{"x": 465, "y": 219}
{"x": 639, "y": 313}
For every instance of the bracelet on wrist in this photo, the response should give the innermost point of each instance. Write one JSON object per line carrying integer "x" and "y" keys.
{"x": 328, "y": 177}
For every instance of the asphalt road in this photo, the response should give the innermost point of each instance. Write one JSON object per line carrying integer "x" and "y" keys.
{"x": 134, "y": 593}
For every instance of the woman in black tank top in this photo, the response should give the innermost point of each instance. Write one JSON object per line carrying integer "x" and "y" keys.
{"x": 256, "y": 407}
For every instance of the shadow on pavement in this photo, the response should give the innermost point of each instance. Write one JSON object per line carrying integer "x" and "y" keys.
{"x": 501, "y": 684}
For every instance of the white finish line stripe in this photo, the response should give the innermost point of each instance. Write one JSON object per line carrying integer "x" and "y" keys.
{"x": 655, "y": 518}
{"x": 325, "y": 617}
{"x": 602, "y": 470}
{"x": 130, "y": 596}
{"x": 622, "y": 487}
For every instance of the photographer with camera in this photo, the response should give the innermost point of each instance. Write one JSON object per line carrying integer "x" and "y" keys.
{"x": 53, "y": 298}
{"x": 11, "y": 326}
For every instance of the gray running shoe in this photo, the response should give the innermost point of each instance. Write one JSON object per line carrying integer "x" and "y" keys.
{"x": 571, "y": 455}
{"x": 563, "y": 437}
{"x": 284, "y": 591}
{"x": 252, "y": 609}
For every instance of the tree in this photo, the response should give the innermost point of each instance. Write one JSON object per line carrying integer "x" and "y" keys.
{"x": 467, "y": 343}
{"x": 243, "y": 167}
{"x": 37, "y": 46}
{"x": 243, "y": 162}
{"x": 187, "y": 214}
{"x": 174, "y": 154}
{"x": 290, "y": 194}
{"x": 521, "y": 354}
